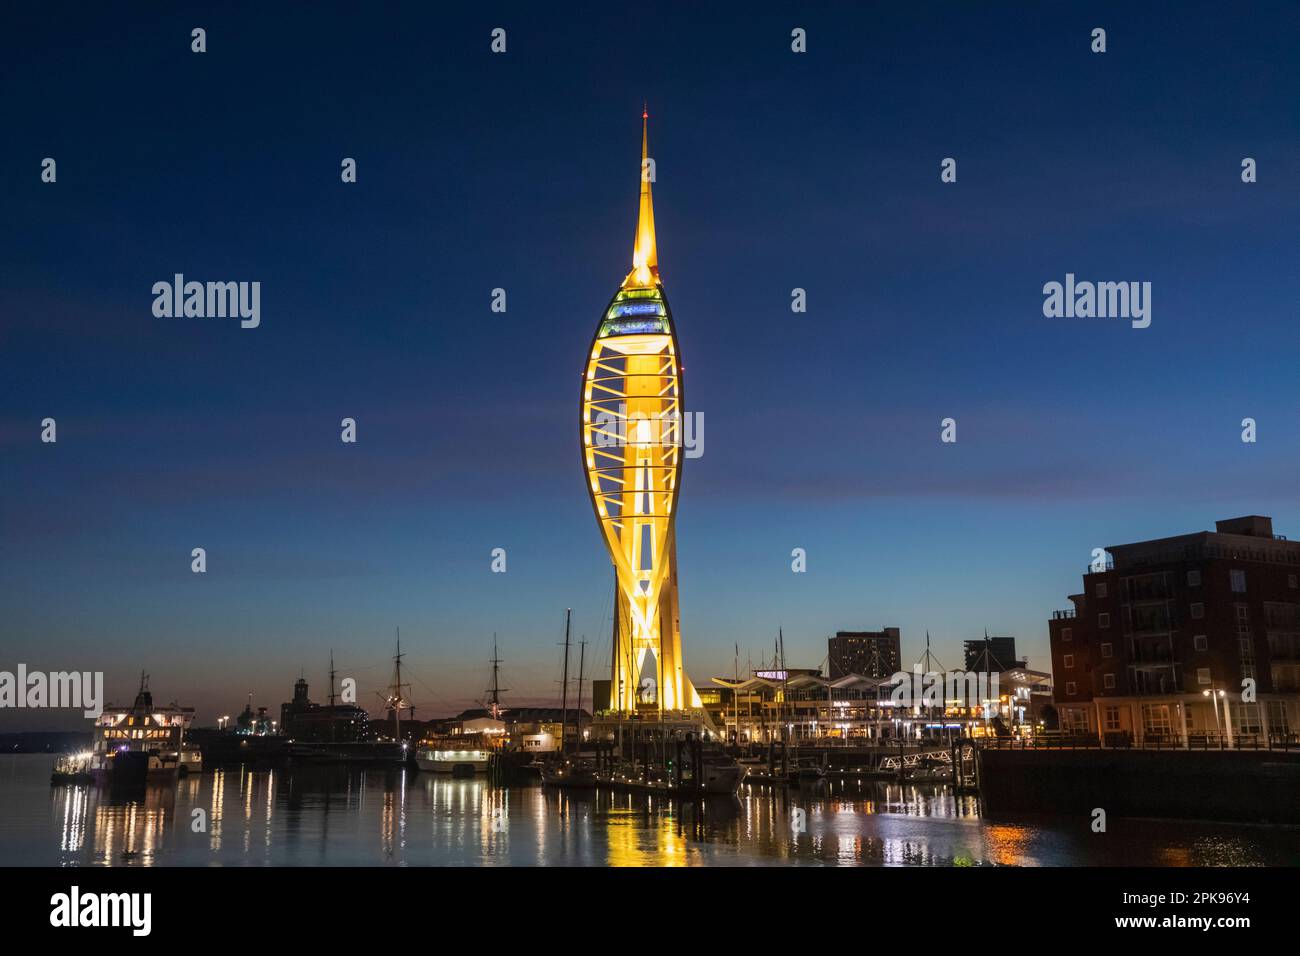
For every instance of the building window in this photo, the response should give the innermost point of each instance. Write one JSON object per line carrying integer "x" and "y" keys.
{"x": 1277, "y": 723}
{"x": 1155, "y": 718}
{"x": 1069, "y": 661}
{"x": 1112, "y": 718}
{"x": 1201, "y": 642}
{"x": 1070, "y": 688}
{"x": 1248, "y": 718}
{"x": 1202, "y": 675}
{"x": 1101, "y": 589}
{"x": 1067, "y": 634}
{"x": 1108, "y": 681}
{"x": 1107, "y": 651}
{"x": 1198, "y": 611}
{"x": 1291, "y": 582}
{"x": 1103, "y": 621}
{"x": 1193, "y": 579}
{"x": 1238, "y": 579}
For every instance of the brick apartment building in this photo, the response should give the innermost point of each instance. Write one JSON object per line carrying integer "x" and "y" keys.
{"x": 1160, "y": 641}
{"x": 869, "y": 653}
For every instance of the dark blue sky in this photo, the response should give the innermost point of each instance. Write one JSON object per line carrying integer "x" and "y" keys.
{"x": 476, "y": 171}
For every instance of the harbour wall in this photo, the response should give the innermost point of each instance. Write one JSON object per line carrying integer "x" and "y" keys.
{"x": 1235, "y": 786}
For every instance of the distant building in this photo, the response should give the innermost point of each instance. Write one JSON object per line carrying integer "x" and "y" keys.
{"x": 1161, "y": 643}
{"x": 304, "y": 720}
{"x": 254, "y": 724}
{"x": 535, "y": 729}
{"x": 869, "y": 653}
{"x": 992, "y": 654}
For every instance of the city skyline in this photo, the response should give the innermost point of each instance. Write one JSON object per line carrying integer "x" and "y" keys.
{"x": 924, "y": 301}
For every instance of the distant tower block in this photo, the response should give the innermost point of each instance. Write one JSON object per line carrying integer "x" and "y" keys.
{"x": 631, "y": 420}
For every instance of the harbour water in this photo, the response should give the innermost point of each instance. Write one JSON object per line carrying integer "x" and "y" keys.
{"x": 332, "y": 816}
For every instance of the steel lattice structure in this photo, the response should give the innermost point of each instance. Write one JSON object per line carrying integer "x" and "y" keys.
{"x": 631, "y": 421}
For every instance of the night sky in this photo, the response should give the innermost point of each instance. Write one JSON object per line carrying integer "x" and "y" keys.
{"x": 476, "y": 171}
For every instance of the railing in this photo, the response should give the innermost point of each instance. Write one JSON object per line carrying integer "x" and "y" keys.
{"x": 1063, "y": 615}
{"x": 1122, "y": 740}
{"x": 1040, "y": 742}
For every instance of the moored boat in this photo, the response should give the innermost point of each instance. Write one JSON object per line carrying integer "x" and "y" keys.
{"x": 132, "y": 745}
{"x": 569, "y": 773}
{"x": 463, "y": 757}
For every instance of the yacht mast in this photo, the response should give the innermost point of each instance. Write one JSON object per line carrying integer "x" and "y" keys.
{"x": 564, "y": 685}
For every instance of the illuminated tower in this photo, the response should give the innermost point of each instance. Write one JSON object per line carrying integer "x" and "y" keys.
{"x": 631, "y": 420}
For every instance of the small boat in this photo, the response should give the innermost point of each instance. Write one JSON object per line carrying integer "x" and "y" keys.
{"x": 569, "y": 773}
{"x": 807, "y": 770}
{"x": 720, "y": 773}
{"x": 191, "y": 760}
{"x": 72, "y": 768}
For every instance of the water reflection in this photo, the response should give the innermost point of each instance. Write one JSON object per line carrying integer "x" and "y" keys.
{"x": 336, "y": 816}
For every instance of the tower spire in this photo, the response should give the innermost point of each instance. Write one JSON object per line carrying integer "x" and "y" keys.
{"x": 645, "y": 257}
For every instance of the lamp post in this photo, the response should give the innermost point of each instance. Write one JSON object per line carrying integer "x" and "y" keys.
{"x": 1227, "y": 717}
{"x": 1215, "y": 701}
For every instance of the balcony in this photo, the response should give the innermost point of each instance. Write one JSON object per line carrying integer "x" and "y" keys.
{"x": 1063, "y": 615}
{"x": 1284, "y": 648}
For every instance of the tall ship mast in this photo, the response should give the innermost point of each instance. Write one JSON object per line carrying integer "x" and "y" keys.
{"x": 494, "y": 692}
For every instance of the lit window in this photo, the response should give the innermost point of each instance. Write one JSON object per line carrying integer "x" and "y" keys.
{"x": 1198, "y": 611}
{"x": 1103, "y": 621}
{"x": 1202, "y": 675}
{"x": 1201, "y": 642}
{"x": 1107, "y": 650}
{"x": 1238, "y": 579}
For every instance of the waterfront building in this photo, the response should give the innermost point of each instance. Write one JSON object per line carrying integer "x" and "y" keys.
{"x": 304, "y": 720}
{"x": 1167, "y": 634}
{"x": 631, "y": 426}
{"x": 533, "y": 729}
{"x": 805, "y": 707}
{"x": 873, "y": 653}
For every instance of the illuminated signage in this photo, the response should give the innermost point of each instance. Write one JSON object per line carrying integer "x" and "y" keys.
{"x": 634, "y": 326}
{"x": 636, "y": 308}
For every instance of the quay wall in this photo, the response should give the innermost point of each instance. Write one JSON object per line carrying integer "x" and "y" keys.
{"x": 1236, "y": 786}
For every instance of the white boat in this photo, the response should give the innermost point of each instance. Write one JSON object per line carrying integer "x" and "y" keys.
{"x": 133, "y": 745}
{"x": 191, "y": 759}
{"x": 458, "y": 761}
{"x": 720, "y": 773}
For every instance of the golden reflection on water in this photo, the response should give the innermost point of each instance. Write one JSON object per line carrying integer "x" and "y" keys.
{"x": 327, "y": 816}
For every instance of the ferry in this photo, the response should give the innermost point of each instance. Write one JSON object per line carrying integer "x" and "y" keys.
{"x": 134, "y": 745}
{"x": 460, "y": 757}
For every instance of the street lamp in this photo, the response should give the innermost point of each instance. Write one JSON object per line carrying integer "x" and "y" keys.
{"x": 1215, "y": 700}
